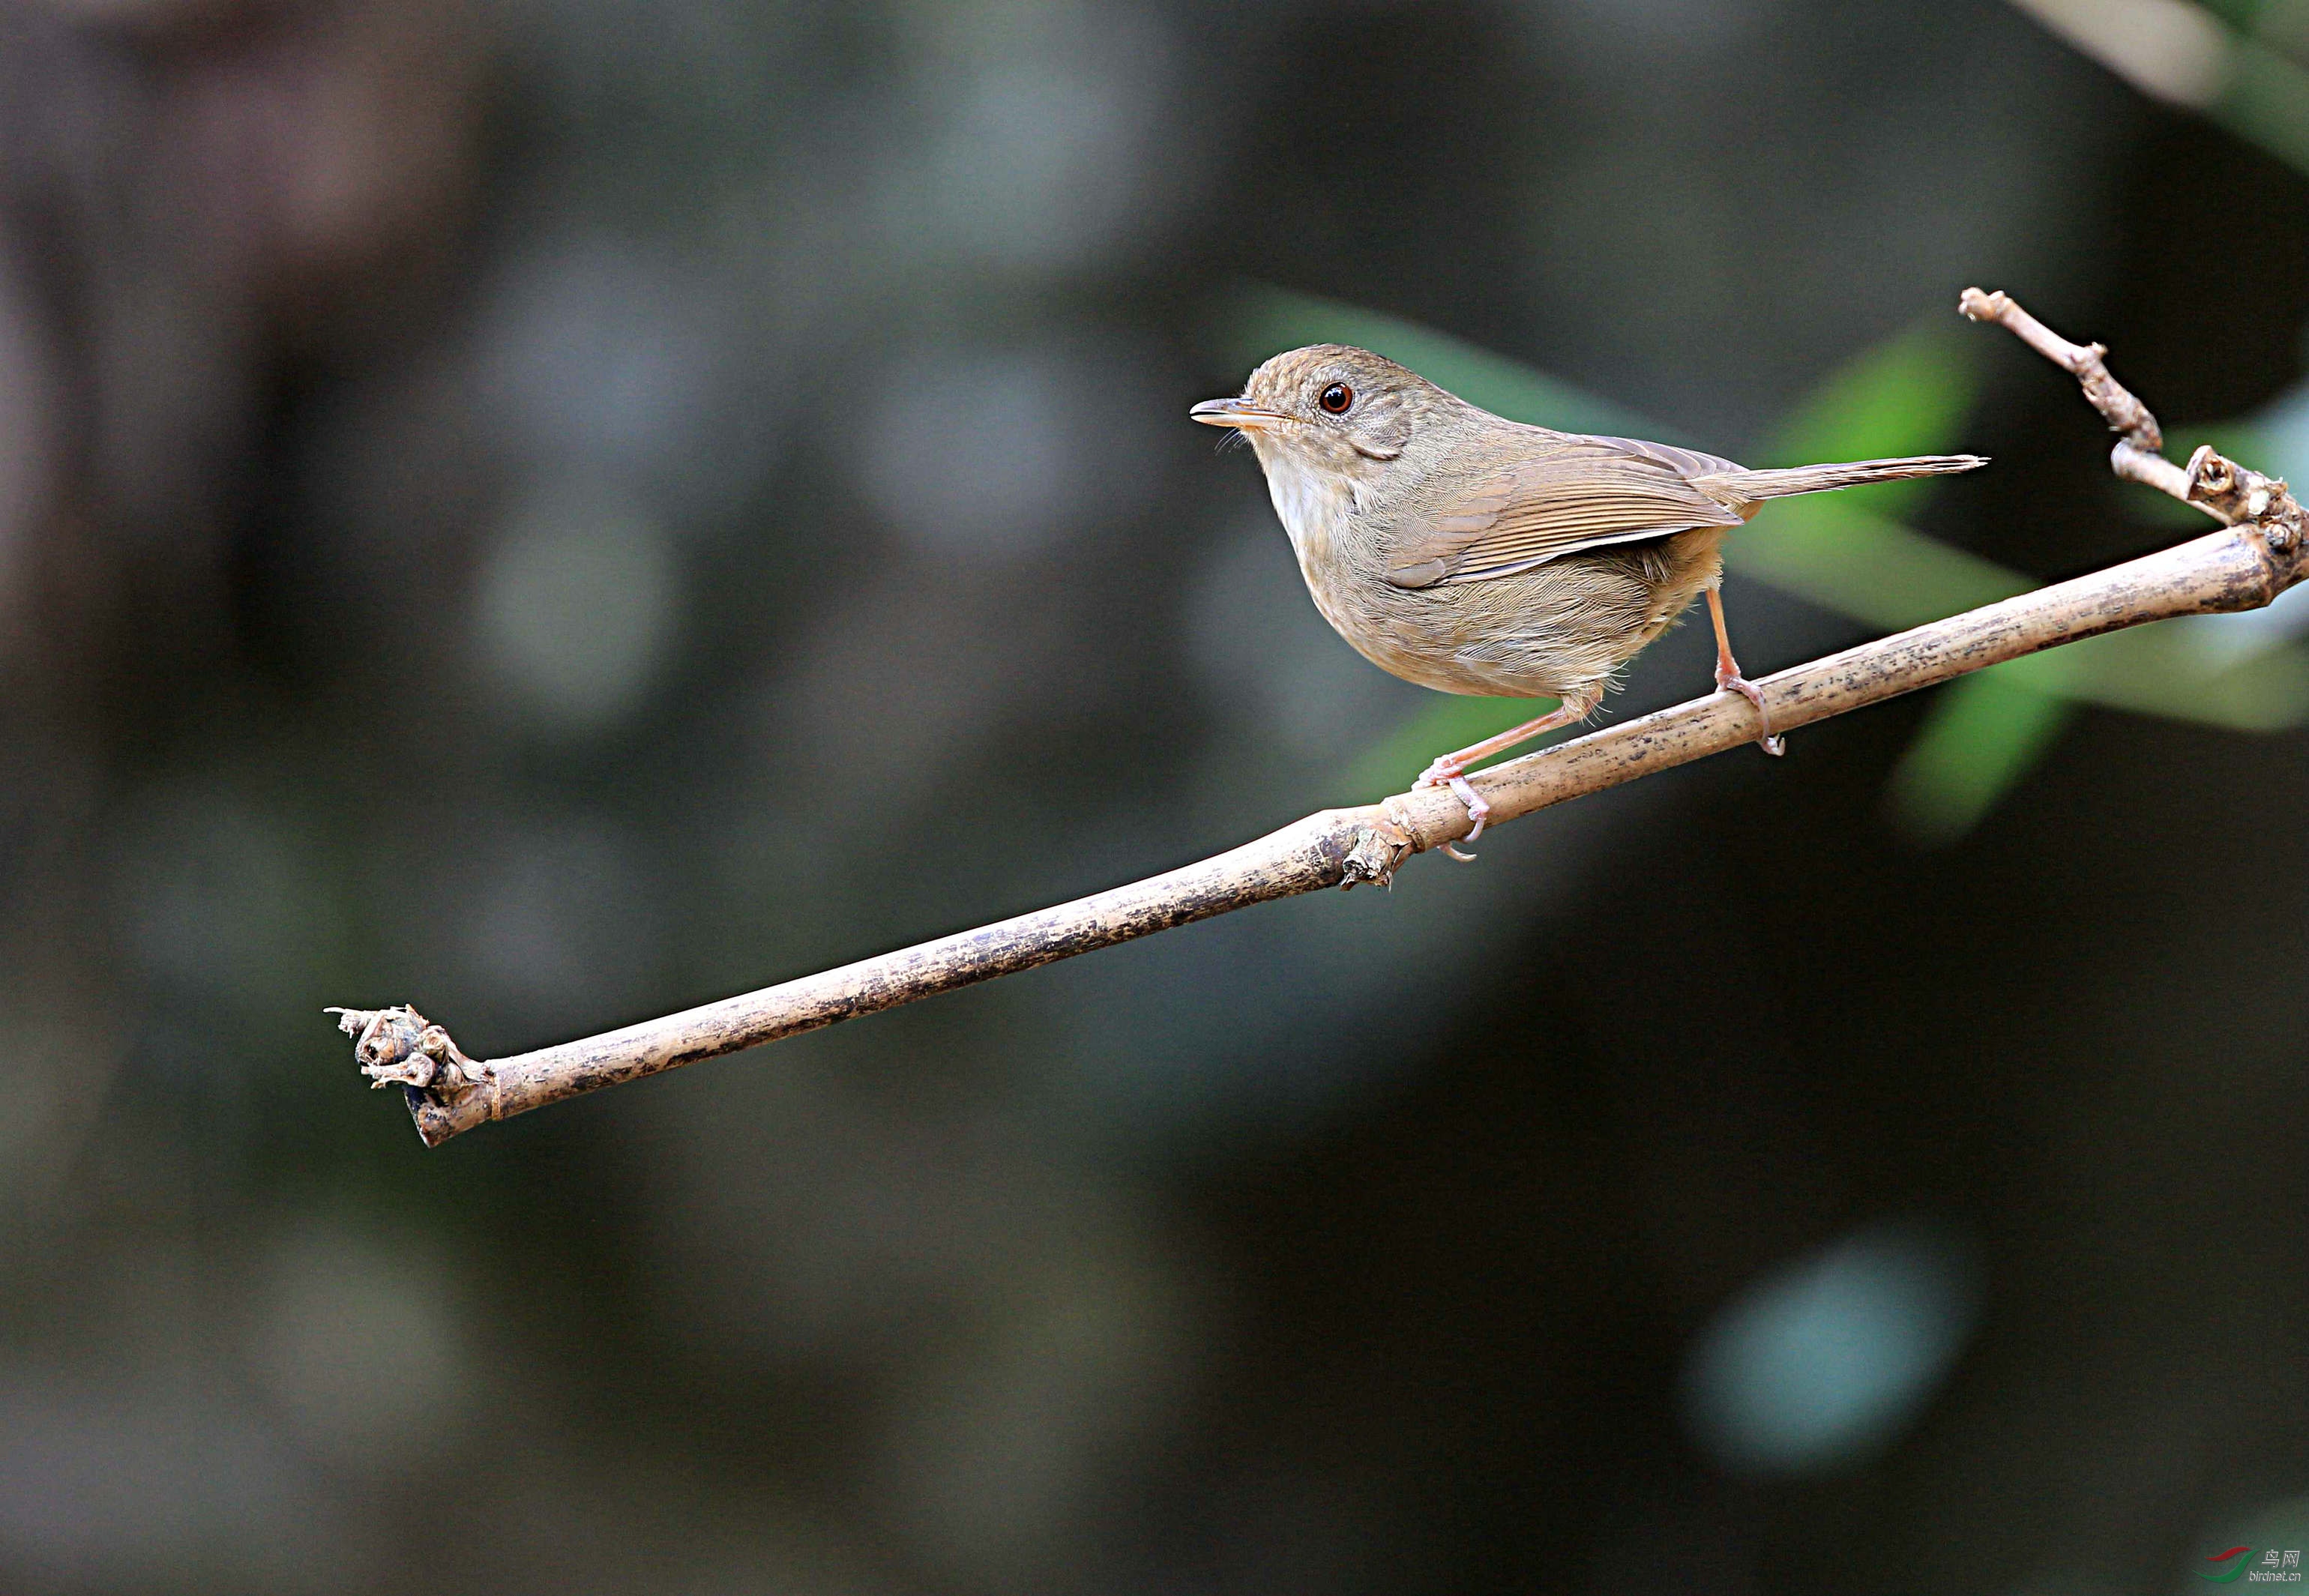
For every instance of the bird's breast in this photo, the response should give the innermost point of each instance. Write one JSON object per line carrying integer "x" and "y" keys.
{"x": 1420, "y": 637}
{"x": 1315, "y": 508}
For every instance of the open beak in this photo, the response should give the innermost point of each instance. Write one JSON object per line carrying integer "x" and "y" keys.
{"x": 1238, "y": 413}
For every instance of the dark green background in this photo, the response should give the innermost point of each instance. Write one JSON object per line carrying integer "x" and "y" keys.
{"x": 560, "y": 511}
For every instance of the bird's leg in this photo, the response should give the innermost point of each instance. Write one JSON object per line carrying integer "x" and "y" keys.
{"x": 1728, "y": 679}
{"x": 1450, "y": 769}
{"x": 1573, "y": 709}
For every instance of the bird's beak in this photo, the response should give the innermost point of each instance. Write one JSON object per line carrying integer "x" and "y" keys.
{"x": 1238, "y": 413}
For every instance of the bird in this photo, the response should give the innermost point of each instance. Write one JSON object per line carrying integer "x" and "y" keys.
{"x": 1475, "y": 555}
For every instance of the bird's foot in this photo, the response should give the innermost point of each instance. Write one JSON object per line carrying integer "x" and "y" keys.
{"x": 1733, "y": 682}
{"x": 1443, "y": 772}
{"x": 1478, "y": 811}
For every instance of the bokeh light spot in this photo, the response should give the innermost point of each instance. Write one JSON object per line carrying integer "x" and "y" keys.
{"x": 1827, "y": 1358}
{"x": 576, "y": 605}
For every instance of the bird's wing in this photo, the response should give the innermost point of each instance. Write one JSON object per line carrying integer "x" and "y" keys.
{"x": 1548, "y": 495}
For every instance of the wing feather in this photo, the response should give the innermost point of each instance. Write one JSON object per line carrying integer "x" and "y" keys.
{"x": 1552, "y": 495}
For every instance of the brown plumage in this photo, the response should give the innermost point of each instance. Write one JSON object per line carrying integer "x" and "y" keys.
{"x": 1476, "y": 554}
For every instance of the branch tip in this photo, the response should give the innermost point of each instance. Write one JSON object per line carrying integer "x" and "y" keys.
{"x": 2231, "y": 494}
{"x": 399, "y": 1047}
{"x": 2123, "y": 413}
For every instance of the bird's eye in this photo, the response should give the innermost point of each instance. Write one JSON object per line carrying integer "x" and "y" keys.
{"x": 1337, "y": 398}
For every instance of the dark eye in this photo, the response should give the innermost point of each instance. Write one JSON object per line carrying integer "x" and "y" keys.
{"x": 1337, "y": 398}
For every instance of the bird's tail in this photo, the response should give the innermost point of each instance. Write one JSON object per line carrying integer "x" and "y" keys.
{"x": 1752, "y": 486}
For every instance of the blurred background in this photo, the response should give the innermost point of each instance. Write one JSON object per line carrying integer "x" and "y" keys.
{"x": 558, "y": 510}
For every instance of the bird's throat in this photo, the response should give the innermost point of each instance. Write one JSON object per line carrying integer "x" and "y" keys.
{"x": 1310, "y": 502}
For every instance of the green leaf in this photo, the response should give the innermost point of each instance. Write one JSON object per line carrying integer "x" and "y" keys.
{"x": 1986, "y": 731}
{"x": 1982, "y": 735}
{"x": 2162, "y": 669}
{"x": 1449, "y": 722}
{"x": 1910, "y": 395}
{"x": 2266, "y": 99}
{"x": 1845, "y": 559}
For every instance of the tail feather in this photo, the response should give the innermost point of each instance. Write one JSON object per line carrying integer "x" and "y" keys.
{"x": 1752, "y": 486}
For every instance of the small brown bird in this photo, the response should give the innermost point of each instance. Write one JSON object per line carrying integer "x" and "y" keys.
{"x": 1475, "y": 555}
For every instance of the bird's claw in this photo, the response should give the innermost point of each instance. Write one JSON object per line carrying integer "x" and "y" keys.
{"x": 1444, "y": 773}
{"x": 1730, "y": 683}
{"x": 1478, "y": 811}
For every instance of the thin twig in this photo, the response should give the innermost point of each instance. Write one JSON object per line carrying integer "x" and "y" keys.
{"x": 2139, "y": 451}
{"x": 2257, "y": 557}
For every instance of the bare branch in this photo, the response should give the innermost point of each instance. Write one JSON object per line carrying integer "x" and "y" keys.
{"x": 2140, "y": 452}
{"x": 2245, "y": 566}
{"x": 2115, "y": 401}
{"x": 2223, "y": 490}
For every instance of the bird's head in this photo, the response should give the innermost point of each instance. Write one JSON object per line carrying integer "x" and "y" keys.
{"x": 1330, "y": 406}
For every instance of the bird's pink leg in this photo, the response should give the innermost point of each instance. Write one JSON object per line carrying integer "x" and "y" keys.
{"x": 1728, "y": 679}
{"x": 1450, "y": 769}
